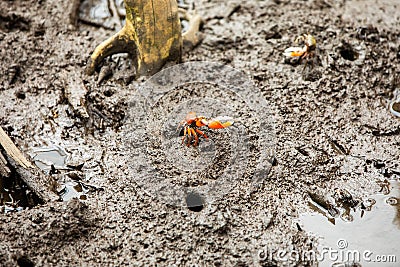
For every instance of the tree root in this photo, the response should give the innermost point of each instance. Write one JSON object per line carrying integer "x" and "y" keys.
{"x": 151, "y": 35}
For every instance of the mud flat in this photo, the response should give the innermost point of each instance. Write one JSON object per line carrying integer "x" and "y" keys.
{"x": 336, "y": 137}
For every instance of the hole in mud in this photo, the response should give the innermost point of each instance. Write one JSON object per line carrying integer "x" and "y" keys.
{"x": 20, "y": 94}
{"x": 108, "y": 92}
{"x": 392, "y": 201}
{"x": 347, "y": 52}
{"x": 25, "y": 262}
{"x": 194, "y": 202}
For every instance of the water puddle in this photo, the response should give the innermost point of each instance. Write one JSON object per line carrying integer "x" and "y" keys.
{"x": 72, "y": 190}
{"x": 53, "y": 159}
{"x": 50, "y": 158}
{"x": 368, "y": 232}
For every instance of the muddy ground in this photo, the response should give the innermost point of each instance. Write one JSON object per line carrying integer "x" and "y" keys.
{"x": 333, "y": 131}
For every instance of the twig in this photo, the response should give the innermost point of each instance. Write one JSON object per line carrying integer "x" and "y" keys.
{"x": 12, "y": 150}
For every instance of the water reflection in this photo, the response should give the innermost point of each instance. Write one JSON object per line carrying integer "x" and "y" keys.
{"x": 374, "y": 225}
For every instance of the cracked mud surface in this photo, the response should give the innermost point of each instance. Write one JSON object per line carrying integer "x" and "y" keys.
{"x": 331, "y": 121}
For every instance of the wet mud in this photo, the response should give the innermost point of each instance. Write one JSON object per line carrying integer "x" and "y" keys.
{"x": 336, "y": 161}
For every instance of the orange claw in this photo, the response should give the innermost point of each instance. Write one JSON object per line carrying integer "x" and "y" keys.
{"x": 302, "y": 52}
{"x": 217, "y": 124}
{"x": 294, "y": 52}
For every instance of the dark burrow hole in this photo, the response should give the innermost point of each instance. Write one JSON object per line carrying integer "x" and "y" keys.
{"x": 347, "y": 52}
{"x": 108, "y": 92}
{"x": 25, "y": 262}
{"x": 194, "y": 202}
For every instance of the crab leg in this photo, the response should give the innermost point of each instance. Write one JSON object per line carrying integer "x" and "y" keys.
{"x": 196, "y": 137}
{"x": 184, "y": 135}
{"x": 190, "y": 138}
{"x": 201, "y": 133}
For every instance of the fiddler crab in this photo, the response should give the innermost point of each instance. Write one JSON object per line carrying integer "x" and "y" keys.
{"x": 192, "y": 123}
{"x": 305, "y": 52}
